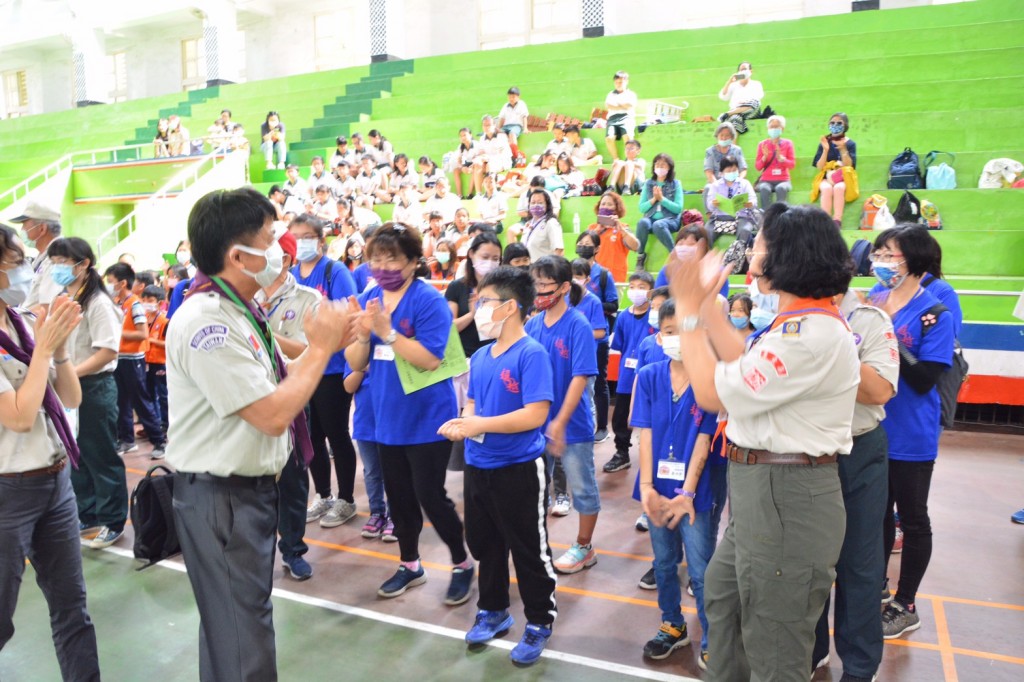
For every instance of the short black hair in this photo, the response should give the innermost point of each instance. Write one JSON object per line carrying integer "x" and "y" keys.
{"x": 315, "y": 159}
{"x": 594, "y": 237}
{"x": 806, "y": 254}
{"x": 916, "y": 244}
{"x": 342, "y": 140}
{"x": 513, "y": 90}
{"x": 145, "y": 277}
{"x": 692, "y": 230}
{"x": 312, "y": 221}
{"x": 512, "y": 284}
{"x": 660, "y": 292}
{"x": 222, "y": 218}
{"x": 666, "y": 311}
{"x": 474, "y": 246}
{"x": 670, "y": 177}
{"x": 572, "y": 129}
{"x": 274, "y": 189}
{"x": 580, "y": 268}
{"x": 122, "y": 272}
{"x": 179, "y": 271}
{"x": 728, "y": 161}
{"x": 153, "y": 291}
{"x": 744, "y": 299}
{"x": 642, "y": 276}
{"x": 513, "y": 251}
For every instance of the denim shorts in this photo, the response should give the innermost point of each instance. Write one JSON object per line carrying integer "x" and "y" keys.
{"x": 512, "y": 128}
{"x": 578, "y": 462}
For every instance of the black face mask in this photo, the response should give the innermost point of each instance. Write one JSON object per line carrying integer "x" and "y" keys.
{"x": 585, "y": 252}
{"x": 524, "y": 268}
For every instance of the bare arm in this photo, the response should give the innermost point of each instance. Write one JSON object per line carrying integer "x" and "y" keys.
{"x": 290, "y": 347}
{"x": 96, "y": 361}
{"x": 873, "y": 389}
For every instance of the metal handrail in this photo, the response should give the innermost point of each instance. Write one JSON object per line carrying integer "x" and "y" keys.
{"x": 53, "y": 169}
{"x": 178, "y": 183}
{"x": 113, "y": 151}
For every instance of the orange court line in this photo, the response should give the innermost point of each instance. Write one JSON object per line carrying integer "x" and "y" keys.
{"x": 972, "y": 602}
{"x": 988, "y": 655}
{"x": 945, "y": 646}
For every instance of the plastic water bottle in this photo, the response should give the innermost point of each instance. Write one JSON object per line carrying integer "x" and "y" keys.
{"x": 576, "y": 223}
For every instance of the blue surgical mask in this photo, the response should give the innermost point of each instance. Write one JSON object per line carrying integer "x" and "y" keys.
{"x": 740, "y": 322}
{"x": 888, "y": 274}
{"x": 725, "y": 144}
{"x": 62, "y": 274}
{"x": 306, "y": 250}
{"x": 775, "y": 133}
{"x": 836, "y": 128}
{"x": 731, "y": 176}
{"x": 761, "y": 318}
{"x": 19, "y": 283}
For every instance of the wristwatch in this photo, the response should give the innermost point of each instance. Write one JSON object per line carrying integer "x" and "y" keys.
{"x": 390, "y": 338}
{"x": 689, "y": 323}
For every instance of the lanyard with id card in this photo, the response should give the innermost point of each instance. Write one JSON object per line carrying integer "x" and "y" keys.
{"x": 672, "y": 469}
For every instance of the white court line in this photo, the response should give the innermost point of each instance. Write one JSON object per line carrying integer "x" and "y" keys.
{"x": 451, "y": 633}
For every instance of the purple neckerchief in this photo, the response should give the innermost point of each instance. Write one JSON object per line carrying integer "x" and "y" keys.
{"x": 202, "y": 284}
{"x": 51, "y": 403}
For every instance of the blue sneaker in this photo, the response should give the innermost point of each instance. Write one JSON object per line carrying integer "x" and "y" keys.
{"x": 531, "y": 646}
{"x": 488, "y": 625}
{"x": 401, "y": 581}
{"x": 458, "y": 589}
{"x": 297, "y": 567}
{"x": 1018, "y": 517}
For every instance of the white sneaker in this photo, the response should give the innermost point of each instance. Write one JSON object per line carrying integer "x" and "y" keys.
{"x": 319, "y": 508}
{"x": 561, "y": 506}
{"x": 270, "y": 165}
{"x": 340, "y": 513}
{"x": 642, "y": 524}
{"x": 105, "y": 538}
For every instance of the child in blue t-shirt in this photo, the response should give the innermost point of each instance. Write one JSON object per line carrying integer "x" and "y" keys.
{"x": 364, "y": 425}
{"x": 632, "y": 326}
{"x": 510, "y": 395}
{"x": 569, "y": 341}
{"x": 675, "y": 438}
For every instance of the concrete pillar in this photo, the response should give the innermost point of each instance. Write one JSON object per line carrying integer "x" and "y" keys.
{"x": 88, "y": 59}
{"x": 592, "y": 12}
{"x": 387, "y": 29}
{"x": 220, "y": 39}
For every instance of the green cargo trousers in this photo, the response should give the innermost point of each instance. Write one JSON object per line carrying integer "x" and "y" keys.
{"x": 770, "y": 575}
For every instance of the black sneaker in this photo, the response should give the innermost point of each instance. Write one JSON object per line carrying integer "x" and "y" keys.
{"x": 641, "y": 258}
{"x": 618, "y": 462}
{"x": 458, "y": 588}
{"x": 648, "y": 582}
{"x": 886, "y": 594}
{"x": 668, "y": 639}
{"x": 401, "y": 581}
{"x": 898, "y": 620}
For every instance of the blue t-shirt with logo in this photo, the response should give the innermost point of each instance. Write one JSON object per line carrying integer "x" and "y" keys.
{"x": 339, "y": 288}
{"x": 630, "y": 330}
{"x": 942, "y": 290}
{"x": 675, "y": 425}
{"x": 590, "y": 308}
{"x": 410, "y": 419}
{"x": 911, "y": 418}
{"x": 572, "y": 353}
{"x": 611, "y": 294}
{"x": 500, "y": 385}
{"x": 362, "y": 277}
{"x": 364, "y": 426}
{"x": 649, "y": 353}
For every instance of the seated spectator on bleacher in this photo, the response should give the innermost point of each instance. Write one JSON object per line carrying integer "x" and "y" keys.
{"x": 627, "y": 175}
{"x": 442, "y": 262}
{"x": 354, "y": 256}
{"x": 342, "y": 153}
{"x": 429, "y": 173}
{"x": 582, "y": 149}
{"x": 401, "y": 176}
{"x": 443, "y": 201}
{"x": 295, "y": 186}
{"x": 324, "y": 206}
{"x": 272, "y": 133}
{"x": 217, "y": 136}
{"x": 513, "y": 117}
{"x": 359, "y": 148}
{"x": 744, "y": 97}
{"x": 369, "y": 181}
{"x": 382, "y": 150}
{"x": 661, "y": 202}
{"x": 345, "y": 184}
{"x": 838, "y": 148}
{"x": 775, "y": 158}
{"x": 495, "y": 153}
{"x": 621, "y": 106}
{"x": 542, "y": 233}
{"x": 318, "y": 175}
{"x": 432, "y": 233}
{"x": 516, "y": 255}
{"x": 616, "y": 239}
{"x": 537, "y": 184}
{"x": 725, "y": 145}
{"x": 568, "y": 178}
{"x": 162, "y": 141}
{"x": 177, "y": 137}
{"x": 364, "y": 218}
{"x": 729, "y": 185}
{"x": 543, "y": 167}
{"x": 277, "y": 199}
{"x": 458, "y": 232}
{"x": 461, "y": 160}
{"x": 492, "y": 204}
{"x": 407, "y": 203}
{"x": 558, "y": 144}
{"x": 234, "y": 131}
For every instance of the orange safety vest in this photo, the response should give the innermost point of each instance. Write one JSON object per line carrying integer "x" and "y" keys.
{"x": 128, "y": 325}
{"x": 157, "y": 355}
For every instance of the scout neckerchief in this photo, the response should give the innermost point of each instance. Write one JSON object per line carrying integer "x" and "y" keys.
{"x": 201, "y": 284}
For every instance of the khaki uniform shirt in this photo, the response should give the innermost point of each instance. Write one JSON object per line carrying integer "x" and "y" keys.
{"x": 217, "y": 365}
{"x": 38, "y": 448}
{"x": 877, "y": 348}
{"x": 794, "y": 389}
{"x": 100, "y": 328}
{"x": 287, "y": 308}
{"x": 44, "y": 289}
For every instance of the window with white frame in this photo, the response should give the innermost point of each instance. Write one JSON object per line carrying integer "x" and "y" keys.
{"x": 193, "y": 65}
{"x": 15, "y": 84}
{"x": 329, "y": 39}
{"x": 117, "y": 76}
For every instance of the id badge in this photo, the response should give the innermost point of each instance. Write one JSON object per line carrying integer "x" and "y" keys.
{"x": 630, "y": 363}
{"x": 383, "y": 352}
{"x": 776, "y": 171}
{"x": 479, "y": 438}
{"x": 672, "y": 470}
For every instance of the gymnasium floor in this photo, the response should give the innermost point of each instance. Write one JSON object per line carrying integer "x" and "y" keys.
{"x": 971, "y": 602}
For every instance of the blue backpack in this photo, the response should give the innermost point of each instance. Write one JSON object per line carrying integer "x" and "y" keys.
{"x": 860, "y": 252}
{"x": 940, "y": 176}
{"x": 905, "y": 171}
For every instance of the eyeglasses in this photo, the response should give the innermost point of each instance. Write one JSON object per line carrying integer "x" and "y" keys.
{"x": 750, "y": 253}
{"x": 488, "y": 299}
{"x": 885, "y": 257}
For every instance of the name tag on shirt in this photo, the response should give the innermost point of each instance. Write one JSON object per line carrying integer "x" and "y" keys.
{"x": 382, "y": 352}
{"x": 479, "y": 438}
{"x": 776, "y": 171}
{"x": 630, "y": 363}
{"x": 672, "y": 470}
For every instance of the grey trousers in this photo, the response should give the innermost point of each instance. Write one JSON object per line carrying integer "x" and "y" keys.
{"x": 767, "y": 583}
{"x": 39, "y": 520}
{"x": 227, "y": 529}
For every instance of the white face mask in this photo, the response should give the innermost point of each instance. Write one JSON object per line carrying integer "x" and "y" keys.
{"x": 307, "y": 250}
{"x": 19, "y": 284}
{"x": 272, "y": 270}
{"x": 637, "y": 296}
{"x": 652, "y": 318}
{"x": 486, "y": 326}
{"x": 111, "y": 289}
{"x": 149, "y": 307}
{"x": 670, "y": 345}
{"x": 484, "y": 266}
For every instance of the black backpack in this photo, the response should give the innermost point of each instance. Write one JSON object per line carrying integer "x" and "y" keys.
{"x": 952, "y": 379}
{"x": 152, "y": 515}
{"x": 908, "y": 210}
{"x": 860, "y": 252}
{"x": 905, "y": 171}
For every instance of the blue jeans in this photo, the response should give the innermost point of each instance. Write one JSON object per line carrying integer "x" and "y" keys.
{"x": 699, "y": 542}
{"x": 663, "y": 229}
{"x": 132, "y": 394}
{"x": 156, "y": 382}
{"x": 578, "y": 462}
{"x": 270, "y": 147}
{"x": 372, "y": 476}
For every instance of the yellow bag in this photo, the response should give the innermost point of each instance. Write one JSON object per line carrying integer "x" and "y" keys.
{"x": 852, "y": 183}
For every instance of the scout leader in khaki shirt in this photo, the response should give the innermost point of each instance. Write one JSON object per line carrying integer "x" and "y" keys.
{"x": 286, "y": 303}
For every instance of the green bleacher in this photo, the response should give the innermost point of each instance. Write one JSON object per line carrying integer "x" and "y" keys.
{"x": 937, "y": 77}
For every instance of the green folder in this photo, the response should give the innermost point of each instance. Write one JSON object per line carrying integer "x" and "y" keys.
{"x": 453, "y": 364}
{"x": 735, "y": 204}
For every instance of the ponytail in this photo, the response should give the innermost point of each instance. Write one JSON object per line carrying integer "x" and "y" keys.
{"x": 576, "y": 294}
